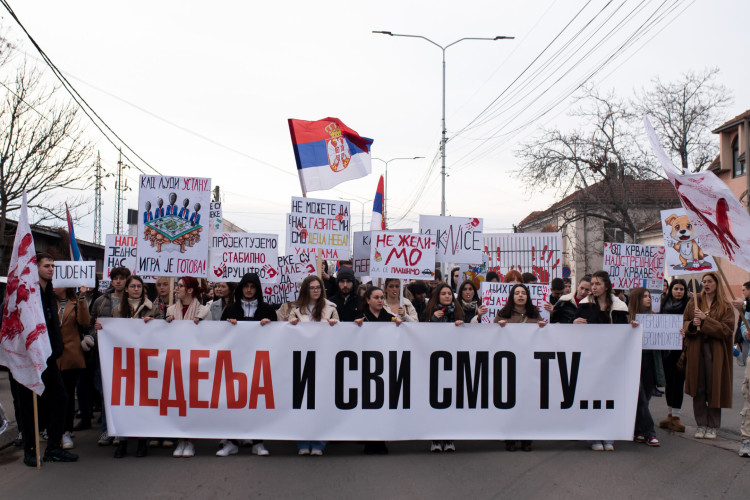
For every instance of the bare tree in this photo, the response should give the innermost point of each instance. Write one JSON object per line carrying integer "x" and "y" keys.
{"x": 42, "y": 149}
{"x": 683, "y": 113}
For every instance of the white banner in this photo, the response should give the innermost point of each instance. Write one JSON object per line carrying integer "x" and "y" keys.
{"x": 459, "y": 239}
{"x": 74, "y": 273}
{"x": 495, "y": 295}
{"x": 215, "y": 219}
{"x": 171, "y": 239}
{"x": 375, "y": 382}
{"x": 319, "y": 224}
{"x": 537, "y": 253}
{"x": 682, "y": 246}
{"x": 402, "y": 255}
{"x": 633, "y": 266}
{"x": 232, "y": 255}
{"x": 292, "y": 268}
{"x": 661, "y": 331}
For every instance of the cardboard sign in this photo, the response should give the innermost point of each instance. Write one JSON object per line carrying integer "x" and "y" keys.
{"x": 319, "y": 224}
{"x": 633, "y": 266}
{"x": 459, "y": 239}
{"x": 292, "y": 269}
{"x": 495, "y": 295}
{"x": 119, "y": 251}
{"x": 361, "y": 258}
{"x": 215, "y": 218}
{"x": 682, "y": 247}
{"x": 171, "y": 218}
{"x": 402, "y": 255}
{"x": 74, "y": 273}
{"x": 536, "y": 253}
{"x": 232, "y": 255}
{"x": 476, "y": 273}
{"x": 661, "y": 331}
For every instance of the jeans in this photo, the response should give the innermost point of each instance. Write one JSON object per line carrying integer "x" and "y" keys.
{"x": 306, "y": 445}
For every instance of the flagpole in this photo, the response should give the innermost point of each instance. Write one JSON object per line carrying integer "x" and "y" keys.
{"x": 36, "y": 433}
{"x": 695, "y": 298}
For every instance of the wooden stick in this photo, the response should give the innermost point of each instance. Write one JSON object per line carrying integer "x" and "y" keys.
{"x": 171, "y": 291}
{"x": 731, "y": 293}
{"x": 319, "y": 262}
{"x": 695, "y": 297}
{"x": 36, "y": 434}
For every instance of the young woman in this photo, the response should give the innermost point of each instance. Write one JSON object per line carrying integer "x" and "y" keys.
{"x": 470, "y": 302}
{"x": 162, "y": 295}
{"x": 519, "y": 309}
{"x": 443, "y": 307}
{"x": 312, "y": 306}
{"x": 601, "y": 307}
{"x": 675, "y": 303}
{"x": 74, "y": 315}
{"x": 454, "y": 279}
{"x": 640, "y": 303}
{"x": 393, "y": 306}
{"x": 187, "y": 307}
{"x": 373, "y": 304}
{"x": 513, "y": 276}
{"x": 709, "y": 332}
{"x": 223, "y": 296}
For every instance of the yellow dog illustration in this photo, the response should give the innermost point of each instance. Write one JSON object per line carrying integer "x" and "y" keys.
{"x": 685, "y": 242}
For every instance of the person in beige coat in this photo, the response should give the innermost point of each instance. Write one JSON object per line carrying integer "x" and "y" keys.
{"x": 401, "y": 308}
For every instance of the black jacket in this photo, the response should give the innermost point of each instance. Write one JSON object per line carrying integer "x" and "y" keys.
{"x": 384, "y": 317}
{"x": 49, "y": 304}
{"x": 565, "y": 309}
{"x": 593, "y": 315}
{"x": 235, "y": 310}
{"x": 347, "y": 306}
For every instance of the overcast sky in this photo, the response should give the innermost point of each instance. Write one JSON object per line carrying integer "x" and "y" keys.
{"x": 234, "y": 72}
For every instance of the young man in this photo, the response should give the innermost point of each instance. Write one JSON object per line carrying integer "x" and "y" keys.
{"x": 346, "y": 298}
{"x": 565, "y": 309}
{"x": 556, "y": 289}
{"x": 54, "y": 396}
{"x": 104, "y": 307}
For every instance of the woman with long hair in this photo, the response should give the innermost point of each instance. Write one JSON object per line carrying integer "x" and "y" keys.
{"x": 640, "y": 303}
{"x": 223, "y": 296}
{"x": 312, "y": 306}
{"x": 709, "y": 332}
{"x": 675, "y": 302}
{"x": 393, "y": 304}
{"x": 513, "y": 276}
{"x": 601, "y": 307}
{"x": 470, "y": 302}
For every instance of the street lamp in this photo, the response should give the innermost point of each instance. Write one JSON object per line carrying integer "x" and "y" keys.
{"x": 385, "y": 187}
{"x": 363, "y": 209}
{"x": 443, "y": 49}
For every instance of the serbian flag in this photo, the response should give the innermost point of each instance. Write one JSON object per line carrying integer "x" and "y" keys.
{"x": 24, "y": 343}
{"x": 75, "y": 253}
{"x": 721, "y": 222}
{"x": 328, "y": 153}
{"x": 378, "y": 221}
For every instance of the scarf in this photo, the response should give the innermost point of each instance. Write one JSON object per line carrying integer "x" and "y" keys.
{"x": 191, "y": 312}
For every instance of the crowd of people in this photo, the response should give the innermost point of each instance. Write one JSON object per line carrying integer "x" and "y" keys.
{"x": 703, "y": 369}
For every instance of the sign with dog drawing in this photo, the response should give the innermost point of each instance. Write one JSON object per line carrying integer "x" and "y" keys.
{"x": 684, "y": 253}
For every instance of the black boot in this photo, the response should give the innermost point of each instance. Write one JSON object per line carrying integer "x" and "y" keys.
{"x": 83, "y": 424}
{"x": 142, "y": 450}
{"x": 122, "y": 449}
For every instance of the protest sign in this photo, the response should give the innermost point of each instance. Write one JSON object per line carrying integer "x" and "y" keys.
{"x": 459, "y": 239}
{"x": 292, "y": 269}
{"x": 495, "y": 296}
{"x": 634, "y": 266}
{"x": 172, "y": 241}
{"x": 655, "y": 300}
{"x": 361, "y": 257}
{"x": 375, "y": 382}
{"x": 661, "y": 331}
{"x": 319, "y": 224}
{"x": 119, "y": 251}
{"x": 536, "y": 253}
{"x": 476, "y": 273}
{"x": 215, "y": 219}
{"x": 402, "y": 255}
{"x": 683, "y": 251}
{"x": 232, "y": 255}
{"x": 74, "y": 273}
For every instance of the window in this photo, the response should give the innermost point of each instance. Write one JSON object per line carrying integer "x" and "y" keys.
{"x": 738, "y": 169}
{"x": 613, "y": 234}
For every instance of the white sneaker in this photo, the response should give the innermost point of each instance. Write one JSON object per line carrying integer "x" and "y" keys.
{"x": 745, "y": 448}
{"x": 189, "y": 450}
{"x": 303, "y": 451}
{"x": 229, "y": 448}
{"x": 700, "y": 433}
{"x": 260, "y": 450}
{"x": 179, "y": 450}
{"x": 436, "y": 446}
{"x": 67, "y": 442}
{"x": 449, "y": 446}
{"x": 609, "y": 447}
{"x": 597, "y": 447}
{"x": 316, "y": 452}
{"x": 710, "y": 433}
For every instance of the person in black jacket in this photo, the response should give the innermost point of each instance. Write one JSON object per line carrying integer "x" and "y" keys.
{"x": 564, "y": 310}
{"x": 675, "y": 303}
{"x": 248, "y": 303}
{"x": 346, "y": 299}
{"x": 54, "y": 396}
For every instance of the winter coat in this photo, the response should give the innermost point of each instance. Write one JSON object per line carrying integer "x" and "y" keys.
{"x": 145, "y": 310}
{"x": 448, "y": 317}
{"x": 216, "y": 309}
{"x": 75, "y": 315}
{"x": 235, "y": 310}
{"x": 347, "y": 306}
{"x": 565, "y": 309}
{"x": 383, "y": 317}
{"x": 590, "y": 311}
{"x": 101, "y": 308}
{"x": 329, "y": 312}
{"x": 49, "y": 305}
{"x": 517, "y": 317}
{"x": 718, "y": 332}
{"x": 410, "y": 314}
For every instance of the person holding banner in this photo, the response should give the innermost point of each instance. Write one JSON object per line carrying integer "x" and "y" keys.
{"x": 564, "y": 310}
{"x": 675, "y": 302}
{"x": 223, "y": 296}
{"x": 471, "y": 303}
{"x": 709, "y": 332}
{"x": 601, "y": 308}
{"x": 640, "y": 303}
{"x": 393, "y": 304}
{"x": 188, "y": 308}
{"x": 162, "y": 300}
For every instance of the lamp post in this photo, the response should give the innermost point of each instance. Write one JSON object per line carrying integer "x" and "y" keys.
{"x": 363, "y": 209}
{"x": 443, "y": 49}
{"x": 385, "y": 186}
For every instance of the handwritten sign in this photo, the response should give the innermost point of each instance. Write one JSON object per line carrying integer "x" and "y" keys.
{"x": 292, "y": 269}
{"x": 119, "y": 251}
{"x": 495, "y": 296}
{"x": 361, "y": 258}
{"x": 402, "y": 255}
{"x": 683, "y": 250}
{"x": 633, "y": 266}
{"x": 74, "y": 273}
{"x": 215, "y": 219}
{"x": 459, "y": 239}
{"x": 171, "y": 238}
{"x": 537, "y": 253}
{"x": 320, "y": 224}
{"x": 232, "y": 255}
{"x": 661, "y": 331}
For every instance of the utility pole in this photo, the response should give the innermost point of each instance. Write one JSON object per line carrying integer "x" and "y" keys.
{"x": 98, "y": 201}
{"x": 217, "y": 194}
{"x": 120, "y": 186}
